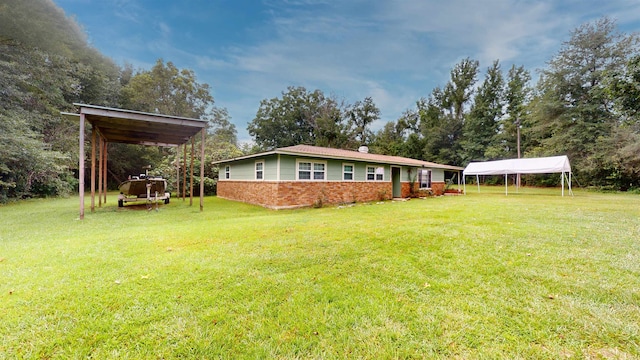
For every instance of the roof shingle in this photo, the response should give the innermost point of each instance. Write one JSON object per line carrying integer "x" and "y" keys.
{"x": 330, "y": 153}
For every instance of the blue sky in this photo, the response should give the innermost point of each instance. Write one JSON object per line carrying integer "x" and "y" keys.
{"x": 395, "y": 51}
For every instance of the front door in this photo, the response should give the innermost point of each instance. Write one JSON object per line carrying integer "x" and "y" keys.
{"x": 395, "y": 180}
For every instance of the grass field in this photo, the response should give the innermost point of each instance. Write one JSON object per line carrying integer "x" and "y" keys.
{"x": 529, "y": 275}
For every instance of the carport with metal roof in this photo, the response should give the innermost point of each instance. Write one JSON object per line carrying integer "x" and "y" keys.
{"x": 132, "y": 127}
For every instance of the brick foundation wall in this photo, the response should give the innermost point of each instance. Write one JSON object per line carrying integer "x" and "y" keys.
{"x": 437, "y": 188}
{"x": 252, "y": 192}
{"x": 307, "y": 193}
{"x": 289, "y": 194}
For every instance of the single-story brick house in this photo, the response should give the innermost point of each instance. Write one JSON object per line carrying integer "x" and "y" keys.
{"x": 304, "y": 175}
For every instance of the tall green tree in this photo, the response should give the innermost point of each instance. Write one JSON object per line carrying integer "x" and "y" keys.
{"x": 299, "y": 117}
{"x": 512, "y": 126}
{"x": 169, "y": 90}
{"x": 165, "y": 89}
{"x": 481, "y": 125}
{"x": 46, "y": 65}
{"x": 574, "y": 113}
{"x": 401, "y": 137}
{"x": 361, "y": 116}
{"x": 623, "y": 147}
{"x": 442, "y": 115}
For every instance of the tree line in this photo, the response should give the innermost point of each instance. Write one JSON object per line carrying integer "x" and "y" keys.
{"x": 46, "y": 65}
{"x": 585, "y": 104}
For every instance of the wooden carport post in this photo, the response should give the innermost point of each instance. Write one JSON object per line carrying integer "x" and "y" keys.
{"x": 184, "y": 171}
{"x": 104, "y": 176}
{"x": 133, "y": 127}
{"x": 204, "y": 129}
{"x": 81, "y": 166}
{"x": 178, "y": 171}
{"x": 193, "y": 140}
{"x": 100, "y": 172}
{"x": 93, "y": 169}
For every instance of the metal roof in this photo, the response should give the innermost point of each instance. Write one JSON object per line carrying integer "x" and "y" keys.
{"x": 330, "y": 153}
{"x": 135, "y": 127}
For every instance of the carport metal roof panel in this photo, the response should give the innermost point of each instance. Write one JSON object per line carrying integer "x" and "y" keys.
{"x": 135, "y": 127}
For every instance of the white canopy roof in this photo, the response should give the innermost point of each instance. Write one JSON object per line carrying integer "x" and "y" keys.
{"x": 543, "y": 165}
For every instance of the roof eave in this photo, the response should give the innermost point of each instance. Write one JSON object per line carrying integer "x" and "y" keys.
{"x": 336, "y": 157}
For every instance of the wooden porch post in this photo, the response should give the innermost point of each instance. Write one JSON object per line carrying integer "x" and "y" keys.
{"x": 81, "y": 166}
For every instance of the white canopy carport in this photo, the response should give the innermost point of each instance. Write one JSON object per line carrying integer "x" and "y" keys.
{"x": 543, "y": 165}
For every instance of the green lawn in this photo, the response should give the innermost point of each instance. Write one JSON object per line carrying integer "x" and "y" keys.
{"x": 529, "y": 275}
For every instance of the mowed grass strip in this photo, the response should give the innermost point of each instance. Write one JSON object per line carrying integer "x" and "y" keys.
{"x": 528, "y": 275}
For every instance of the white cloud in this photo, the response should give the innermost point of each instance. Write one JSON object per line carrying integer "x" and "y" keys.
{"x": 128, "y": 10}
{"x": 395, "y": 51}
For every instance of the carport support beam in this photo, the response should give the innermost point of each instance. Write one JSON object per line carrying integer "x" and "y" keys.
{"x": 177, "y": 172}
{"x": 204, "y": 129}
{"x": 93, "y": 169}
{"x": 184, "y": 171}
{"x": 100, "y": 172}
{"x": 193, "y": 150}
{"x": 81, "y": 167}
{"x": 104, "y": 169}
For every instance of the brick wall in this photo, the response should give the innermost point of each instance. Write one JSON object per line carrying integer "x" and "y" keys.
{"x": 437, "y": 188}
{"x": 252, "y": 192}
{"x": 286, "y": 194}
{"x": 289, "y": 194}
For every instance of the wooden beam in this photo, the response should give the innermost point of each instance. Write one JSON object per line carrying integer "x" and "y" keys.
{"x": 137, "y": 115}
{"x": 137, "y": 137}
{"x": 104, "y": 180}
{"x": 193, "y": 140}
{"x": 81, "y": 166}
{"x": 93, "y": 169}
{"x": 184, "y": 171}
{"x": 100, "y": 172}
{"x": 168, "y": 129}
{"x": 177, "y": 172}
{"x": 202, "y": 169}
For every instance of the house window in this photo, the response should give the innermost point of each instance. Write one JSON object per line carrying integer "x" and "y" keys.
{"x": 424, "y": 178}
{"x": 375, "y": 173}
{"x": 259, "y": 170}
{"x": 318, "y": 171}
{"x": 304, "y": 171}
{"x": 227, "y": 172}
{"x": 347, "y": 172}
{"x": 311, "y": 170}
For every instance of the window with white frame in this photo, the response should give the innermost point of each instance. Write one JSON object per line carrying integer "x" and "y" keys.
{"x": 318, "y": 171}
{"x": 311, "y": 170}
{"x": 227, "y": 172}
{"x": 259, "y": 170}
{"x": 375, "y": 173}
{"x": 424, "y": 178}
{"x": 347, "y": 172}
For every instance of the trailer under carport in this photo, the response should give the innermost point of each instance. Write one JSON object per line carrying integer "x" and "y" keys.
{"x": 131, "y": 127}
